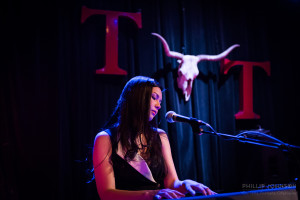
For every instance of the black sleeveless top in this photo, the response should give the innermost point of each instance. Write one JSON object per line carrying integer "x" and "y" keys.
{"x": 127, "y": 177}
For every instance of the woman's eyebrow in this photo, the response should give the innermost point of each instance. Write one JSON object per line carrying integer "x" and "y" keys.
{"x": 156, "y": 94}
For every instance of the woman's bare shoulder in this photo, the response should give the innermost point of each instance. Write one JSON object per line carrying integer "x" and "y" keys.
{"x": 163, "y": 135}
{"x": 102, "y": 137}
{"x": 102, "y": 133}
{"x": 161, "y": 131}
{"x": 102, "y": 147}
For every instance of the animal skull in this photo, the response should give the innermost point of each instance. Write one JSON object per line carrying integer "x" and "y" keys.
{"x": 188, "y": 69}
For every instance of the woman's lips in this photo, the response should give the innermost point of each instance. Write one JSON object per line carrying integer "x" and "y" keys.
{"x": 153, "y": 112}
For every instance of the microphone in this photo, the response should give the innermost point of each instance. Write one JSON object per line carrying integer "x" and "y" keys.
{"x": 172, "y": 117}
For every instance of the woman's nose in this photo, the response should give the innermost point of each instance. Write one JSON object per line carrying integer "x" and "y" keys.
{"x": 158, "y": 105}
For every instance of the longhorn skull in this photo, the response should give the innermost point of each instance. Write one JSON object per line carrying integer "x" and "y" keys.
{"x": 187, "y": 69}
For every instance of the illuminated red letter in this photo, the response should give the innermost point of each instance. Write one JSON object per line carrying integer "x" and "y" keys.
{"x": 111, "y": 45}
{"x": 246, "y": 85}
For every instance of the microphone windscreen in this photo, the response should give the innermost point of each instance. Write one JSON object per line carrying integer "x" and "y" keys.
{"x": 169, "y": 116}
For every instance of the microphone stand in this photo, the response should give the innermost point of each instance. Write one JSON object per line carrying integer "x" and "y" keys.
{"x": 244, "y": 139}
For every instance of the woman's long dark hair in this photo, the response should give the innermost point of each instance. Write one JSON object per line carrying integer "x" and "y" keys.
{"x": 131, "y": 117}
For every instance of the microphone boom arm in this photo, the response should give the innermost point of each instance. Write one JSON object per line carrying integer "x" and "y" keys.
{"x": 172, "y": 117}
{"x": 243, "y": 139}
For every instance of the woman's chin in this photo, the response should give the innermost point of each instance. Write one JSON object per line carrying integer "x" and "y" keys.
{"x": 151, "y": 117}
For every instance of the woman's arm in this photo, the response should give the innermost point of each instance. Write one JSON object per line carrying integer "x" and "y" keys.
{"x": 171, "y": 180}
{"x": 105, "y": 180}
{"x": 171, "y": 176}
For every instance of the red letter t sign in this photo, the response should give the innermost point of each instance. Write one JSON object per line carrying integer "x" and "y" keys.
{"x": 111, "y": 45}
{"x": 246, "y": 85}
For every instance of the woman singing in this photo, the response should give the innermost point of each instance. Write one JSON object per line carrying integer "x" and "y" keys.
{"x": 132, "y": 157}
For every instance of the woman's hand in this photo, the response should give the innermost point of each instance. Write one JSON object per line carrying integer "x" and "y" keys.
{"x": 192, "y": 187}
{"x": 168, "y": 194}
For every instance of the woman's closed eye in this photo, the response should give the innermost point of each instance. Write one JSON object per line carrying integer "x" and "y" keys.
{"x": 156, "y": 97}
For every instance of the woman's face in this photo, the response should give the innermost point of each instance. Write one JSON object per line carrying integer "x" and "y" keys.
{"x": 155, "y": 102}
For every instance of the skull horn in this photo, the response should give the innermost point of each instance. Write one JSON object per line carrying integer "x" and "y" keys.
{"x": 169, "y": 53}
{"x": 217, "y": 57}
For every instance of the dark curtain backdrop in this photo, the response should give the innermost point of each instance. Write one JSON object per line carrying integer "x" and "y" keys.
{"x": 53, "y": 104}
